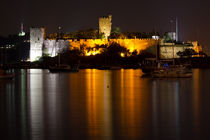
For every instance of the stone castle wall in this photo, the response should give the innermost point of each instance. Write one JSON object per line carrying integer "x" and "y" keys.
{"x": 130, "y": 44}
{"x": 52, "y": 47}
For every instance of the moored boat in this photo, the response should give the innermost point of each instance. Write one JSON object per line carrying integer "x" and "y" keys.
{"x": 7, "y": 76}
{"x": 64, "y": 68}
{"x": 177, "y": 72}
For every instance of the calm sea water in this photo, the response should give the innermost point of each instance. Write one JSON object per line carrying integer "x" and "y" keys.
{"x": 104, "y": 105}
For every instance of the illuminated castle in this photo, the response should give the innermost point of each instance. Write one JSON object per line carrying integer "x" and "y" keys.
{"x": 105, "y": 26}
{"x": 40, "y": 46}
{"x": 52, "y": 47}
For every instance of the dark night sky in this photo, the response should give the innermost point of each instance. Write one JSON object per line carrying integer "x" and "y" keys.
{"x": 129, "y": 15}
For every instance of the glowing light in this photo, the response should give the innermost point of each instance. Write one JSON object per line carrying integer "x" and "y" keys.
{"x": 22, "y": 34}
{"x": 93, "y": 52}
{"x": 88, "y": 53}
{"x": 122, "y": 54}
{"x": 155, "y": 37}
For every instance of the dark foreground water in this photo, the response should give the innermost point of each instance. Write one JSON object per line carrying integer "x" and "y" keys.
{"x": 104, "y": 105}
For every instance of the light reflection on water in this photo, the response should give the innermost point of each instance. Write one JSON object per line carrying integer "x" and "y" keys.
{"x": 108, "y": 105}
{"x": 35, "y": 105}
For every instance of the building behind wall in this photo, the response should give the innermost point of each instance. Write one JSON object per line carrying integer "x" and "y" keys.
{"x": 170, "y": 50}
{"x": 53, "y": 47}
{"x": 37, "y": 36}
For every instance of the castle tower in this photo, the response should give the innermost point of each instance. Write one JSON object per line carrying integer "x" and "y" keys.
{"x": 36, "y": 43}
{"x": 105, "y": 25}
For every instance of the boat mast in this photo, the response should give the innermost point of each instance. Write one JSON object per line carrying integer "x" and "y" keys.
{"x": 158, "y": 52}
{"x": 177, "y": 31}
{"x": 59, "y": 37}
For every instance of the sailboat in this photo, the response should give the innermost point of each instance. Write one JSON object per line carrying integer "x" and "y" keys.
{"x": 5, "y": 75}
{"x": 64, "y": 68}
{"x": 172, "y": 72}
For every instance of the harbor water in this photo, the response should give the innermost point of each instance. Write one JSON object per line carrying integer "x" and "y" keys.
{"x": 104, "y": 105}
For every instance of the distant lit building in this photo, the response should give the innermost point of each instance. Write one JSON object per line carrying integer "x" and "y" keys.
{"x": 170, "y": 50}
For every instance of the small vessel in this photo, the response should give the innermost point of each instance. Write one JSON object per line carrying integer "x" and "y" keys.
{"x": 7, "y": 76}
{"x": 176, "y": 72}
{"x": 64, "y": 68}
{"x": 104, "y": 67}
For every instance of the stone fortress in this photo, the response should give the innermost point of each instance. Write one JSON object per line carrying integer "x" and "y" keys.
{"x": 40, "y": 46}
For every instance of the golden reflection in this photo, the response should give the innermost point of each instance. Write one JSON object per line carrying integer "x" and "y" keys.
{"x": 91, "y": 96}
{"x": 77, "y": 106}
{"x": 132, "y": 111}
{"x": 107, "y": 105}
{"x": 196, "y": 86}
{"x": 98, "y": 103}
{"x": 129, "y": 101}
